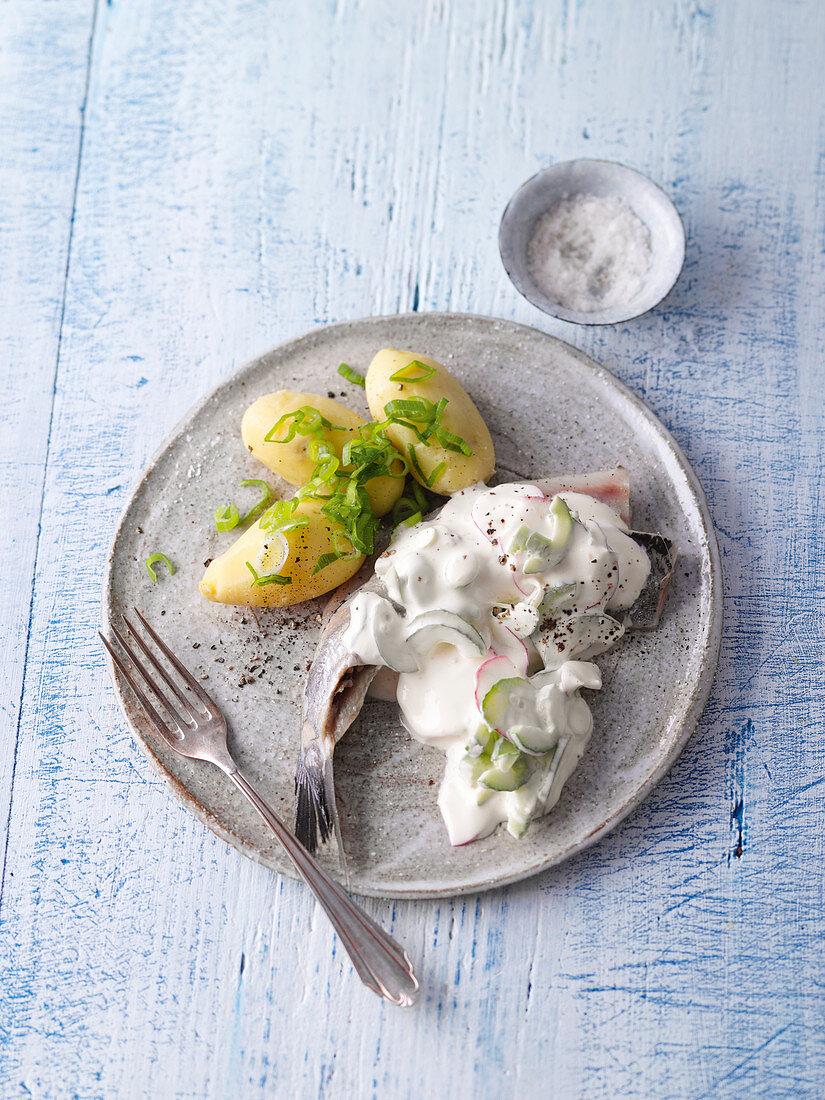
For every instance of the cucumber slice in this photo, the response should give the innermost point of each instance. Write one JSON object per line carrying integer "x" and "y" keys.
{"x": 434, "y": 627}
{"x": 593, "y": 634}
{"x": 499, "y": 779}
{"x": 508, "y": 703}
{"x": 533, "y": 740}
{"x": 489, "y": 673}
{"x": 476, "y": 766}
{"x": 538, "y": 551}
{"x": 504, "y": 752}
{"x": 528, "y": 541}
{"x": 563, "y": 522}
{"x": 555, "y": 596}
{"x": 520, "y": 815}
{"x": 387, "y": 626}
{"x": 525, "y": 805}
{"x": 395, "y": 656}
{"x": 588, "y": 636}
{"x": 483, "y": 742}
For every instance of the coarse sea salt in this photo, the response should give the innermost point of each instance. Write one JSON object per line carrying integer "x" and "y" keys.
{"x": 589, "y": 253}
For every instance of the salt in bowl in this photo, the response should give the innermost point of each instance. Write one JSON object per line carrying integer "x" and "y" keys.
{"x": 602, "y": 179}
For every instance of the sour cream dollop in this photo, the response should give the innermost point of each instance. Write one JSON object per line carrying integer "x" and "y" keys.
{"x": 493, "y": 609}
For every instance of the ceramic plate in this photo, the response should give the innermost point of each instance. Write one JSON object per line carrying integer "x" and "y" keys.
{"x": 550, "y": 410}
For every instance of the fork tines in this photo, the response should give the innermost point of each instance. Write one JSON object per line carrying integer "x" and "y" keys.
{"x": 183, "y": 714}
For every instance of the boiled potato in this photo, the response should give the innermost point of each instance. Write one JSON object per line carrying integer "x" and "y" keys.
{"x": 228, "y": 579}
{"x": 292, "y": 461}
{"x": 461, "y": 417}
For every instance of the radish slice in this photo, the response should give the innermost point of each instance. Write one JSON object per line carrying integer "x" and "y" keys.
{"x": 505, "y": 643}
{"x": 509, "y": 704}
{"x": 481, "y": 519}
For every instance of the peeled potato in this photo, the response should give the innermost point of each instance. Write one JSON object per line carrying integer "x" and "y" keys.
{"x": 292, "y": 461}
{"x": 461, "y": 417}
{"x": 294, "y": 554}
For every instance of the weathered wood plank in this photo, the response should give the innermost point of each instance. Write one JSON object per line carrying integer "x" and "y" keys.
{"x": 43, "y": 67}
{"x": 245, "y": 177}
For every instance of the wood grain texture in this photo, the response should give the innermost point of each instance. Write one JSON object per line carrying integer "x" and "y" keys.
{"x": 43, "y": 72}
{"x": 247, "y": 171}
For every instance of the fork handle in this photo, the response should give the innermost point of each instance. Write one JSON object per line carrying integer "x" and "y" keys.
{"x": 381, "y": 964}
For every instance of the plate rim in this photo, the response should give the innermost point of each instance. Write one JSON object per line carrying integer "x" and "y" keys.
{"x": 697, "y": 698}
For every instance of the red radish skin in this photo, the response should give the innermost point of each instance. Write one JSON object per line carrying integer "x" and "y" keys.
{"x": 517, "y": 651}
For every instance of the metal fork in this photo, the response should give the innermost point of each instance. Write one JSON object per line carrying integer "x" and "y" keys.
{"x": 200, "y": 734}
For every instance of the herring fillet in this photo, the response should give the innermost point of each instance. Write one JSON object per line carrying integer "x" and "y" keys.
{"x": 337, "y": 684}
{"x": 338, "y": 681}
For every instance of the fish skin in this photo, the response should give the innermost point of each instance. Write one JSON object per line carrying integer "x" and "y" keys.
{"x": 647, "y": 610}
{"x": 611, "y": 487}
{"x": 337, "y": 684}
{"x": 335, "y": 671}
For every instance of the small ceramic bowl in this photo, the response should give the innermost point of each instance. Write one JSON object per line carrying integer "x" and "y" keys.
{"x": 603, "y": 179}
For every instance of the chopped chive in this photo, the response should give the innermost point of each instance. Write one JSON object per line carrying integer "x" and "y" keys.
{"x": 411, "y": 521}
{"x": 351, "y": 375}
{"x": 150, "y": 561}
{"x": 424, "y": 418}
{"x": 425, "y": 372}
{"x": 434, "y": 474}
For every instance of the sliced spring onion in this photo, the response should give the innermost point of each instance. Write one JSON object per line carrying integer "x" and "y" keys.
{"x": 424, "y": 418}
{"x": 420, "y": 496}
{"x": 452, "y": 442}
{"x": 278, "y": 518}
{"x": 351, "y": 375}
{"x": 324, "y": 561}
{"x": 423, "y": 372}
{"x": 434, "y": 475}
{"x": 403, "y": 508}
{"x": 150, "y": 562}
{"x": 414, "y": 463}
{"x": 339, "y": 537}
{"x": 302, "y": 421}
{"x": 227, "y": 517}
{"x": 258, "y": 508}
{"x": 418, "y": 409}
{"x": 270, "y": 578}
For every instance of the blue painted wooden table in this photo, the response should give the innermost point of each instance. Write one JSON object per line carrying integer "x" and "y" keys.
{"x": 186, "y": 185}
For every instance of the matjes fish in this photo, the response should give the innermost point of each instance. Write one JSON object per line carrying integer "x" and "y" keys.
{"x": 338, "y": 681}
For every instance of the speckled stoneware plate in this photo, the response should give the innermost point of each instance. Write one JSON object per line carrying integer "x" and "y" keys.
{"x": 551, "y": 410}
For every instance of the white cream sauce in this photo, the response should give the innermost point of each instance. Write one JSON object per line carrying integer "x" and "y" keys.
{"x": 484, "y": 596}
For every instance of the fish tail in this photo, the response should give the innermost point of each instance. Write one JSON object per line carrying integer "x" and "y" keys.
{"x": 316, "y": 813}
